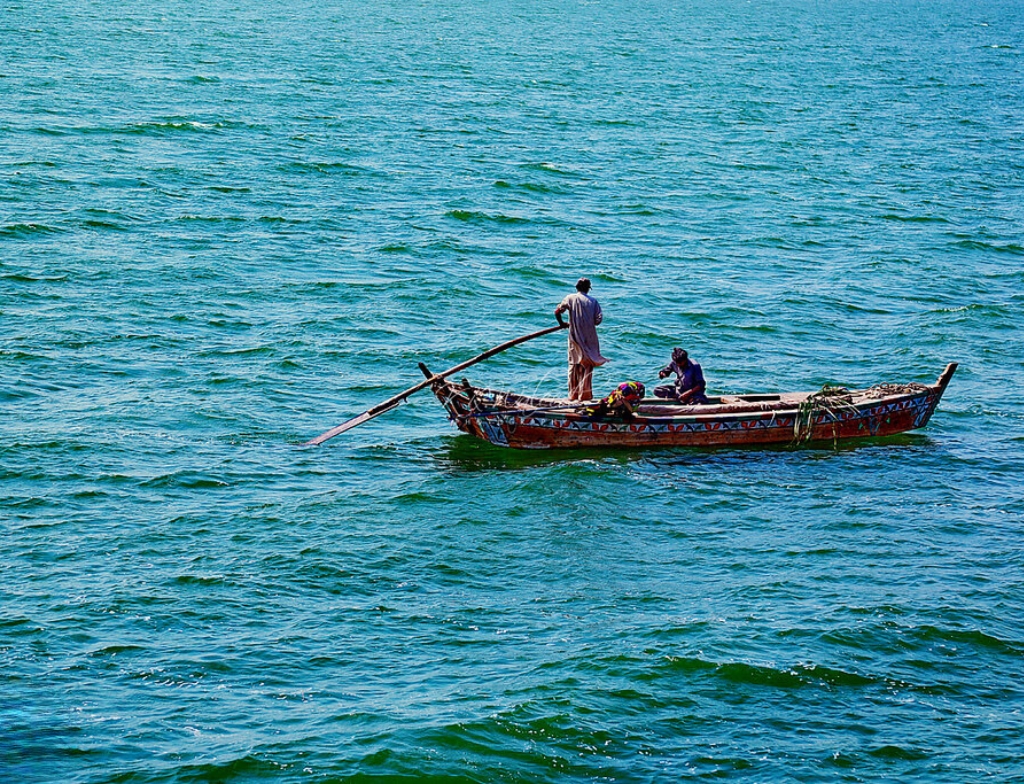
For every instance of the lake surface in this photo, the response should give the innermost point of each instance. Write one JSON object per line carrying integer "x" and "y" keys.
{"x": 226, "y": 226}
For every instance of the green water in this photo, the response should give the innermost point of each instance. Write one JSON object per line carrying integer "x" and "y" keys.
{"x": 226, "y": 227}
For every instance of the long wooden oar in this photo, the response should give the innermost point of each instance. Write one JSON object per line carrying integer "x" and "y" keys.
{"x": 395, "y": 401}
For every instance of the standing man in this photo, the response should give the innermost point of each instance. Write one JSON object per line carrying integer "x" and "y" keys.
{"x": 584, "y": 351}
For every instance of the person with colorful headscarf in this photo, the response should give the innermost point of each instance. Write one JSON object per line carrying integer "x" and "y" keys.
{"x": 623, "y": 402}
{"x": 689, "y": 386}
{"x": 584, "y": 350}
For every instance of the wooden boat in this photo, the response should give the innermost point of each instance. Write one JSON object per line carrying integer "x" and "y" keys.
{"x": 831, "y": 414}
{"x": 522, "y": 421}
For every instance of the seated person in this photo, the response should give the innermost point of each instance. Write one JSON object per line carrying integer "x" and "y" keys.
{"x": 689, "y": 387}
{"x": 623, "y": 402}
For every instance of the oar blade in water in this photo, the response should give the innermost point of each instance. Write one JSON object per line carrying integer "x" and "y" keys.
{"x": 391, "y": 403}
{"x": 366, "y": 416}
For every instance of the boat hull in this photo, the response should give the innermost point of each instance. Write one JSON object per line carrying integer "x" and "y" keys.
{"x": 507, "y": 419}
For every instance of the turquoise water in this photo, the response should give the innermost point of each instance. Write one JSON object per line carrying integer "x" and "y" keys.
{"x": 228, "y": 226}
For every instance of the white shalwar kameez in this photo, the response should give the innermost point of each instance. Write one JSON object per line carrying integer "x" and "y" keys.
{"x": 584, "y": 349}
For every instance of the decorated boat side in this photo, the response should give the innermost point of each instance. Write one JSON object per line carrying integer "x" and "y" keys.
{"x": 530, "y": 422}
{"x": 830, "y": 414}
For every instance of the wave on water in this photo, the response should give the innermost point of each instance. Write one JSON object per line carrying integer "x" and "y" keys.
{"x": 151, "y": 128}
{"x": 17, "y": 166}
{"x": 617, "y": 123}
{"x": 914, "y": 218}
{"x": 197, "y": 768}
{"x": 25, "y": 277}
{"x": 556, "y": 170}
{"x": 788, "y": 678}
{"x": 397, "y": 248}
{"x": 328, "y": 168}
{"x": 893, "y": 752}
{"x": 210, "y": 219}
{"x": 639, "y": 209}
{"x": 473, "y": 216}
{"x": 979, "y": 309}
{"x": 169, "y": 127}
{"x": 104, "y": 225}
{"x": 1011, "y": 248}
{"x": 29, "y": 230}
{"x": 43, "y": 130}
{"x": 970, "y": 638}
{"x": 187, "y": 479}
{"x": 890, "y": 637}
{"x": 156, "y": 128}
{"x": 531, "y": 187}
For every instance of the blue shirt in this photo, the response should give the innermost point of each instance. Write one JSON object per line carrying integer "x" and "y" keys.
{"x": 688, "y": 378}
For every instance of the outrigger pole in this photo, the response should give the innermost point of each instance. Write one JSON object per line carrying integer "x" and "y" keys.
{"x": 394, "y": 402}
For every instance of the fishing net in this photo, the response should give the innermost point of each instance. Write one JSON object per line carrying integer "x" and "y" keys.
{"x": 885, "y": 390}
{"x": 831, "y": 401}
